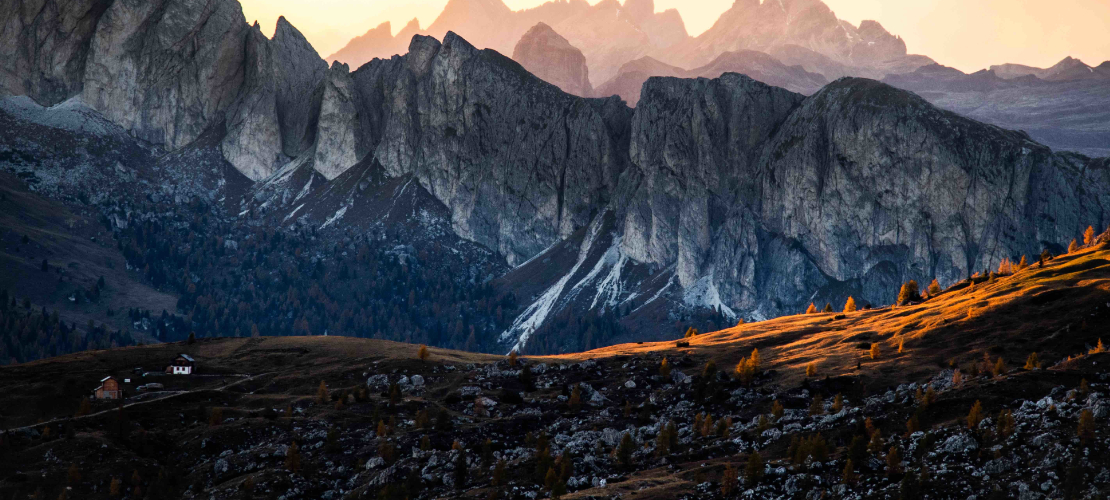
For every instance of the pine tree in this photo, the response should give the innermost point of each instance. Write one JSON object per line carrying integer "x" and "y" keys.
{"x": 893, "y": 461}
{"x": 575, "y": 401}
{"x": 322, "y": 393}
{"x": 1086, "y": 429}
{"x": 1089, "y": 236}
{"x": 1032, "y": 362}
{"x": 811, "y": 309}
{"x": 908, "y": 293}
{"x": 729, "y": 481}
{"x": 934, "y": 288}
{"x": 293, "y": 458}
{"x": 756, "y": 360}
{"x": 1006, "y": 424}
{"x": 811, "y": 369}
{"x": 777, "y": 410}
{"x": 753, "y": 472}
{"x": 1098, "y": 348}
{"x": 744, "y": 371}
{"x": 877, "y": 442}
{"x": 849, "y": 477}
{"x": 624, "y": 450}
{"x": 512, "y": 359}
{"x": 850, "y": 306}
{"x": 999, "y": 368}
{"x": 1023, "y": 264}
{"x": 817, "y": 407}
{"x": 498, "y": 477}
{"x": 975, "y": 416}
{"x": 423, "y": 353}
{"x": 1073, "y": 247}
{"x": 838, "y": 403}
{"x": 460, "y": 469}
{"x": 875, "y": 350}
{"x": 665, "y": 369}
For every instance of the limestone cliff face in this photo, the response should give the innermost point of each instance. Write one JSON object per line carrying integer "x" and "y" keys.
{"x": 548, "y": 55}
{"x": 519, "y": 163}
{"x": 169, "y": 70}
{"x": 771, "y": 199}
{"x": 744, "y": 197}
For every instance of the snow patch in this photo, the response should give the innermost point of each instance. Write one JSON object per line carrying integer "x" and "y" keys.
{"x": 704, "y": 293}
{"x": 338, "y": 215}
{"x": 530, "y": 320}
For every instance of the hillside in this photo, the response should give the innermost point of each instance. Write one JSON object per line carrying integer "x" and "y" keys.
{"x": 388, "y": 425}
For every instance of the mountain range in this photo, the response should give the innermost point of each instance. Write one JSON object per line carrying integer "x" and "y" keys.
{"x": 723, "y": 196}
{"x": 795, "y": 44}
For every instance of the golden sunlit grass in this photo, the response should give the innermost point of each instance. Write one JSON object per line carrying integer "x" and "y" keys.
{"x": 1047, "y": 310}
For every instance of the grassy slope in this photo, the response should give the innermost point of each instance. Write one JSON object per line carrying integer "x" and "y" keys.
{"x": 1056, "y": 311}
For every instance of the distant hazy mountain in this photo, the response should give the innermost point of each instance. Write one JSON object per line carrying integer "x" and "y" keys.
{"x": 609, "y": 34}
{"x": 771, "y": 25}
{"x": 1066, "y": 70}
{"x": 1061, "y": 111}
{"x": 546, "y": 54}
{"x": 756, "y": 65}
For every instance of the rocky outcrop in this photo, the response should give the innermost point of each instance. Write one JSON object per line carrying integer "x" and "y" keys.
{"x": 519, "y": 163}
{"x": 546, "y": 54}
{"x": 167, "y": 71}
{"x": 46, "y": 46}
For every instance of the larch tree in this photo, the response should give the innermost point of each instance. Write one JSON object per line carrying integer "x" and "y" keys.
{"x": 1089, "y": 236}
{"x": 850, "y": 306}
{"x": 811, "y": 309}
{"x": 934, "y": 288}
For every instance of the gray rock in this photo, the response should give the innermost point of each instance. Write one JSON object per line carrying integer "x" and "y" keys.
{"x": 960, "y": 443}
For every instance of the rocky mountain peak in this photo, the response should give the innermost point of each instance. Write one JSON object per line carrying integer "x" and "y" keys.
{"x": 548, "y": 55}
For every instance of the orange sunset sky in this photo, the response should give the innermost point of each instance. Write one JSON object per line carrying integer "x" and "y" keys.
{"x": 967, "y": 34}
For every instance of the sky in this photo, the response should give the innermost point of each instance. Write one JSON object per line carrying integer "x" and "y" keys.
{"x": 967, "y": 34}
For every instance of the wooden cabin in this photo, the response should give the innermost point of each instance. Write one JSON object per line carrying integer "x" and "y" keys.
{"x": 109, "y": 389}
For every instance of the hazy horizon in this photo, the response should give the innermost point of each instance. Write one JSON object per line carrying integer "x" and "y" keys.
{"x": 966, "y": 34}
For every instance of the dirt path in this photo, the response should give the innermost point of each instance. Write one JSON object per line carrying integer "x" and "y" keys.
{"x": 168, "y": 395}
